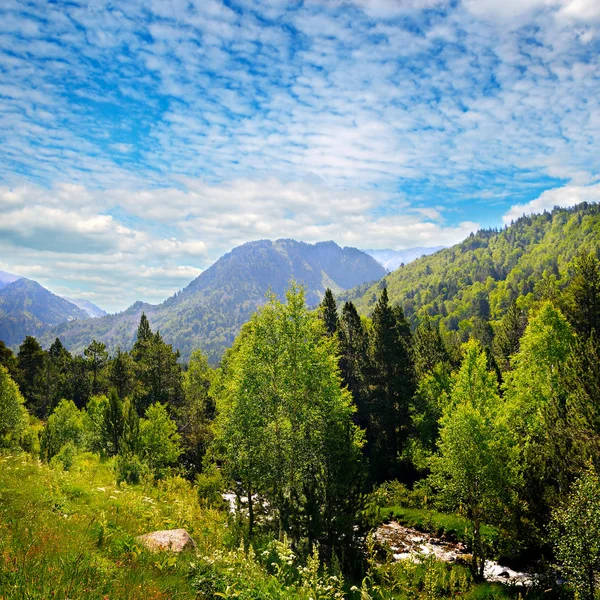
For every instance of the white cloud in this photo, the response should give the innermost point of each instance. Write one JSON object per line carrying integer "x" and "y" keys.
{"x": 85, "y": 252}
{"x": 565, "y": 196}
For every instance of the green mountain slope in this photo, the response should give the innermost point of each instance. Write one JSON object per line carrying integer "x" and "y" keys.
{"x": 27, "y": 308}
{"x": 482, "y": 275}
{"x": 208, "y": 313}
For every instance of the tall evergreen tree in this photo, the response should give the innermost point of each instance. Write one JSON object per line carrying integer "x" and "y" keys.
{"x": 121, "y": 373}
{"x": 392, "y": 387}
{"x": 508, "y": 335}
{"x": 57, "y": 373}
{"x": 354, "y": 356}
{"x": 31, "y": 358}
{"x": 194, "y": 418}
{"x": 328, "y": 312}
{"x": 97, "y": 357}
{"x": 80, "y": 385}
{"x": 113, "y": 423}
{"x": 9, "y": 360}
{"x": 583, "y": 295}
{"x": 428, "y": 348}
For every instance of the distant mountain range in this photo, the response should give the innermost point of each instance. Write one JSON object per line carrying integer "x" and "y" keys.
{"x": 27, "y": 308}
{"x": 209, "y": 312}
{"x": 93, "y": 311}
{"x": 392, "y": 259}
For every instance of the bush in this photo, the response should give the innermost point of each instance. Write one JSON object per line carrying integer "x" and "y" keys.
{"x": 30, "y": 439}
{"x": 65, "y": 457}
{"x": 13, "y": 416}
{"x": 210, "y": 485}
{"x": 130, "y": 469}
{"x": 159, "y": 440}
{"x": 65, "y": 425}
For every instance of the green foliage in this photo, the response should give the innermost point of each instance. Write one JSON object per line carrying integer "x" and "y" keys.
{"x": 391, "y": 386}
{"x": 93, "y": 423}
{"x": 159, "y": 441}
{"x": 97, "y": 357}
{"x": 475, "y": 469}
{"x": 583, "y": 295}
{"x": 158, "y": 373}
{"x": 210, "y": 485}
{"x": 65, "y": 456}
{"x": 285, "y": 427}
{"x": 112, "y": 423}
{"x": 130, "y": 468}
{"x": 536, "y": 401}
{"x": 30, "y": 368}
{"x": 64, "y": 425}
{"x": 497, "y": 267}
{"x": 328, "y": 312}
{"x": 13, "y": 416}
{"x": 197, "y": 413}
{"x": 575, "y": 530}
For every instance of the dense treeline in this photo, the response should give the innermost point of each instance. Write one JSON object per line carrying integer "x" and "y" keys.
{"x": 316, "y": 420}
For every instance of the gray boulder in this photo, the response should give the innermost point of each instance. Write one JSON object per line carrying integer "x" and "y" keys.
{"x": 172, "y": 540}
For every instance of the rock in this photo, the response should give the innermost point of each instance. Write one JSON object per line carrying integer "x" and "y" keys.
{"x": 172, "y": 540}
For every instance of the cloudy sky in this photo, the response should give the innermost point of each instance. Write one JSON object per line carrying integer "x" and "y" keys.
{"x": 140, "y": 140}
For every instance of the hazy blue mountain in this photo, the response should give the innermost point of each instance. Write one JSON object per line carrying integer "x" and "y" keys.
{"x": 93, "y": 311}
{"x": 209, "y": 312}
{"x": 392, "y": 259}
{"x": 27, "y": 308}
{"x": 6, "y": 278}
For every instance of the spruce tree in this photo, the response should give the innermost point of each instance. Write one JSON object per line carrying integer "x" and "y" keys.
{"x": 328, "y": 312}
{"x": 31, "y": 359}
{"x": 583, "y": 295}
{"x": 97, "y": 357}
{"x": 392, "y": 387}
{"x": 428, "y": 348}
{"x": 113, "y": 423}
{"x": 354, "y": 347}
{"x": 508, "y": 335}
{"x": 121, "y": 373}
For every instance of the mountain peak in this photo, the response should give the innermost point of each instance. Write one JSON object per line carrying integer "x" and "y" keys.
{"x": 209, "y": 311}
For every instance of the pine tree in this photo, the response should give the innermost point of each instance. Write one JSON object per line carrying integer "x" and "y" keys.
{"x": 508, "y": 335}
{"x": 428, "y": 348}
{"x": 121, "y": 373}
{"x": 31, "y": 359}
{"x": 392, "y": 387}
{"x": 97, "y": 357}
{"x": 328, "y": 312}
{"x": 583, "y": 295}
{"x": 144, "y": 333}
{"x": 9, "y": 360}
{"x": 354, "y": 348}
{"x": 113, "y": 423}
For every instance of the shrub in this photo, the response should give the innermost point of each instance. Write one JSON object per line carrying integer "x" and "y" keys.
{"x": 210, "y": 485}
{"x": 65, "y": 457}
{"x": 13, "y": 416}
{"x": 130, "y": 469}
{"x": 159, "y": 440}
{"x": 65, "y": 425}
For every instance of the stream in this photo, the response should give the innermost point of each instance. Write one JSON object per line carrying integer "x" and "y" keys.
{"x": 410, "y": 544}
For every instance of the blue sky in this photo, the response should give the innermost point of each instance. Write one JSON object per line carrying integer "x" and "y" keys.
{"x": 141, "y": 140}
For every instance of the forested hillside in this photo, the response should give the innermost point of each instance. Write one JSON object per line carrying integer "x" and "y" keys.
{"x": 484, "y": 274}
{"x": 209, "y": 312}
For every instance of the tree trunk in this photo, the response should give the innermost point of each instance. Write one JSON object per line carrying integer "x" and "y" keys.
{"x": 250, "y": 513}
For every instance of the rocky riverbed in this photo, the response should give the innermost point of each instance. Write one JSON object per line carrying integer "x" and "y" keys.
{"x": 410, "y": 544}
